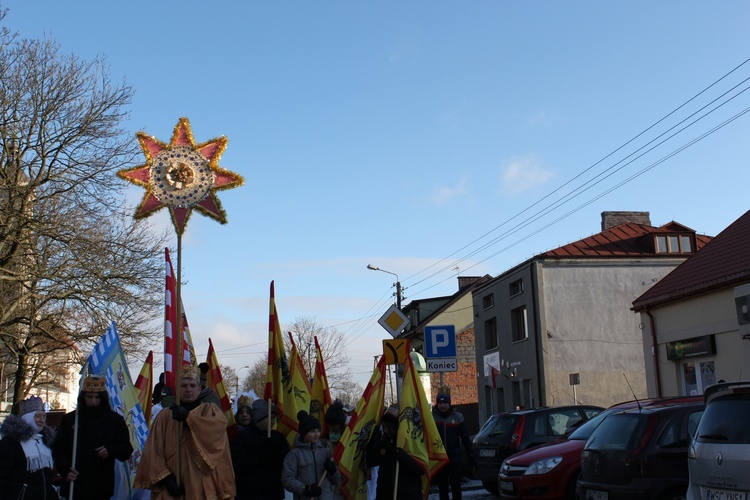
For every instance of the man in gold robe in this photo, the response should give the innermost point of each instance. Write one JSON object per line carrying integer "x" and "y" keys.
{"x": 205, "y": 463}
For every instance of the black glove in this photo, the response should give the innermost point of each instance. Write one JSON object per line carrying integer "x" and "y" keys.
{"x": 173, "y": 487}
{"x": 179, "y": 413}
{"x": 313, "y": 490}
{"x": 330, "y": 467}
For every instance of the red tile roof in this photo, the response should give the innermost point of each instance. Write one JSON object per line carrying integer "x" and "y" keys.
{"x": 723, "y": 262}
{"x": 625, "y": 240}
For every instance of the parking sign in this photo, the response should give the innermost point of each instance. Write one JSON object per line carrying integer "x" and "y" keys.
{"x": 440, "y": 341}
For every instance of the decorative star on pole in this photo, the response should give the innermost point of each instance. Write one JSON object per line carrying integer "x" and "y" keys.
{"x": 182, "y": 176}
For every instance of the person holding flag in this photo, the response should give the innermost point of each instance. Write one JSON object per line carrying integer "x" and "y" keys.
{"x": 383, "y": 453}
{"x": 205, "y": 463}
{"x": 452, "y": 428}
{"x": 89, "y": 440}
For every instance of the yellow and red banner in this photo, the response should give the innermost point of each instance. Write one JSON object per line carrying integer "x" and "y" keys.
{"x": 144, "y": 386}
{"x": 417, "y": 433}
{"x": 320, "y": 394}
{"x": 215, "y": 381}
{"x": 350, "y": 452}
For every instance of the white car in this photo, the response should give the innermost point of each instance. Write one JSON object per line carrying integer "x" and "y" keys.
{"x": 719, "y": 454}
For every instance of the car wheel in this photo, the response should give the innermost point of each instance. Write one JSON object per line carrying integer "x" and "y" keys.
{"x": 491, "y": 487}
{"x": 570, "y": 492}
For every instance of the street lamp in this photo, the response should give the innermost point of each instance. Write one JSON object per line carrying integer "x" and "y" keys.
{"x": 397, "y": 283}
{"x": 237, "y": 382}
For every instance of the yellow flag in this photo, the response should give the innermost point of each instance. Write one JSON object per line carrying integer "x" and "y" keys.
{"x": 144, "y": 386}
{"x": 300, "y": 386}
{"x": 417, "y": 433}
{"x": 215, "y": 381}
{"x": 350, "y": 452}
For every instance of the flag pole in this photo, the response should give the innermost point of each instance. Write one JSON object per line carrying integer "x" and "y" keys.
{"x": 178, "y": 354}
{"x": 75, "y": 429}
{"x": 395, "y": 481}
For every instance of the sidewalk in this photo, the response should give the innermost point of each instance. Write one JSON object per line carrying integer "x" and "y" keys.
{"x": 467, "y": 484}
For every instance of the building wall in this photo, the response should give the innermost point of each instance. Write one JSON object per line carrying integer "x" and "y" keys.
{"x": 579, "y": 321}
{"x": 707, "y": 314}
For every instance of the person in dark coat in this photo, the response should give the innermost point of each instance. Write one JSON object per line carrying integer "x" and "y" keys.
{"x": 26, "y": 465}
{"x": 452, "y": 429}
{"x": 103, "y": 437}
{"x": 382, "y": 452}
{"x": 258, "y": 458}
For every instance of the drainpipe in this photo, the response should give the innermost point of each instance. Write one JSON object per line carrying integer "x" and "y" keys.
{"x": 655, "y": 349}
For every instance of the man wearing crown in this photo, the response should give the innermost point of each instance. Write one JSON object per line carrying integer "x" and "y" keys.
{"x": 102, "y": 438}
{"x": 205, "y": 464}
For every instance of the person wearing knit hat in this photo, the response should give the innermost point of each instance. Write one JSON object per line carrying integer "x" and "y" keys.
{"x": 103, "y": 437}
{"x": 258, "y": 454}
{"x": 452, "y": 429}
{"x": 382, "y": 452}
{"x": 305, "y": 477}
{"x": 201, "y": 458}
{"x": 26, "y": 464}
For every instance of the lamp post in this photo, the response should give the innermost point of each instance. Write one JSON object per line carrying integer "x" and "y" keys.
{"x": 397, "y": 283}
{"x": 237, "y": 382}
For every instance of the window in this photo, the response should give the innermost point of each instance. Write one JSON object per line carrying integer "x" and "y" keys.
{"x": 674, "y": 243}
{"x": 519, "y": 327}
{"x": 488, "y": 301}
{"x": 696, "y": 376}
{"x": 490, "y": 333}
{"x": 516, "y": 287}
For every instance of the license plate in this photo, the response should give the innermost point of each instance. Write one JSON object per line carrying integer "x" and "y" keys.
{"x": 714, "y": 494}
{"x": 506, "y": 486}
{"x": 486, "y": 453}
{"x": 596, "y": 495}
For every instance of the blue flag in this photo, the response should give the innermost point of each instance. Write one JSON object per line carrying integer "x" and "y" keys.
{"x": 107, "y": 360}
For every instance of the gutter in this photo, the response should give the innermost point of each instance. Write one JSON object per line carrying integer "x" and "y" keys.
{"x": 655, "y": 351}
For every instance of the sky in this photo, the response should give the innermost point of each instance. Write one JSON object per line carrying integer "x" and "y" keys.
{"x": 429, "y": 139}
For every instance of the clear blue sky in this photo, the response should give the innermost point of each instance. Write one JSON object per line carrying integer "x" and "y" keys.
{"x": 403, "y": 134}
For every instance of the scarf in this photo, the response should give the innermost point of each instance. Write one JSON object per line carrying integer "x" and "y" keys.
{"x": 38, "y": 455}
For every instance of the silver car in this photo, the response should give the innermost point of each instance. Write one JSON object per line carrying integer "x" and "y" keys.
{"x": 719, "y": 454}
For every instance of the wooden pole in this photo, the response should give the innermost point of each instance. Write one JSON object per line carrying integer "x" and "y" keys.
{"x": 178, "y": 354}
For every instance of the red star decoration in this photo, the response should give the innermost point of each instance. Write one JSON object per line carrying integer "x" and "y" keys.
{"x": 182, "y": 176}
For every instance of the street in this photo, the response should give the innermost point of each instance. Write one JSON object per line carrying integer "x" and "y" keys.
{"x": 471, "y": 488}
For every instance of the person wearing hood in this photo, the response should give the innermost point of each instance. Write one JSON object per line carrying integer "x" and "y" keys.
{"x": 452, "y": 429}
{"x": 244, "y": 414}
{"x": 305, "y": 464}
{"x": 204, "y": 466}
{"x": 26, "y": 464}
{"x": 102, "y": 437}
{"x": 258, "y": 457}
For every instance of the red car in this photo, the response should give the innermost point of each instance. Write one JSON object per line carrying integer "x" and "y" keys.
{"x": 550, "y": 471}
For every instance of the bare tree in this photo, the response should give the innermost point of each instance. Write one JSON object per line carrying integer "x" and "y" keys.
{"x": 332, "y": 346}
{"x": 256, "y": 377}
{"x": 72, "y": 258}
{"x": 348, "y": 392}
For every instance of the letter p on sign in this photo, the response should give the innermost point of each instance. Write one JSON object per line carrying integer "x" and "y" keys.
{"x": 440, "y": 341}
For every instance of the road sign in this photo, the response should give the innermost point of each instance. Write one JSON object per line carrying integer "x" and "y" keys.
{"x": 395, "y": 351}
{"x": 440, "y": 341}
{"x": 442, "y": 365}
{"x": 393, "y": 321}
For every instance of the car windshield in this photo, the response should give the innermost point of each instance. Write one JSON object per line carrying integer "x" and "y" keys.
{"x": 585, "y": 430}
{"x": 620, "y": 432}
{"x": 501, "y": 426}
{"x": 726, "y": 421}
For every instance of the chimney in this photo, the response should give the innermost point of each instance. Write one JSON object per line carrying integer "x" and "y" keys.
{"x": 612, "y": 219}
{"x": 466, "y": 281}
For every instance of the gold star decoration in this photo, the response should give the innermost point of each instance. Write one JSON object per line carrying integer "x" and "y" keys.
{"x": 182, "y": 176}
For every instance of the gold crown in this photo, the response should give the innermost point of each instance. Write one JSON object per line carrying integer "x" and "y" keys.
{"x": 191, "y": 372}
{"x": 94, "y": 384}
{"x": 31, "y": 405}
{"x": 244, "y": 401}
{"x": 444, "y": 391}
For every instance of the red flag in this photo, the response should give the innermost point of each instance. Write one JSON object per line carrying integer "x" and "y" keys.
{"x": 350, "y": 451}
{"x": 215, "y": 381}
{"x": 320, "y": 394}
{"x": 170, "y": 328}
{"x": 144, "y": 386}
{"x": 494, "y": 372}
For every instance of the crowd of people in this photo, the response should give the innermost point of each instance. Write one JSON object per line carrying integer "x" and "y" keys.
{"x": 188, "y": 453}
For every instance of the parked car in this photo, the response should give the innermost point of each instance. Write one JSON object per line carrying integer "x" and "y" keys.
{"x": 639, "y": 453}
{"x": 719, "y": 455}
{"x": 507, "y": 433}
{"x": 550, "y": 471}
